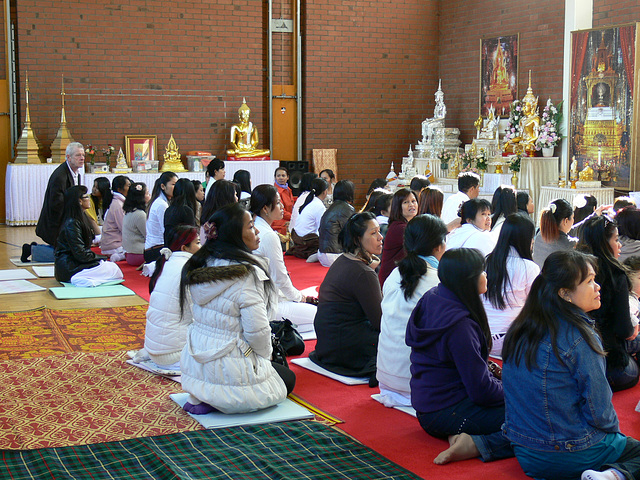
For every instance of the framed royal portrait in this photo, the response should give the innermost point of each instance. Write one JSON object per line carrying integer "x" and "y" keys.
{"x": 141, "y": 148}
{"x": 498, "y": 74}
{"x": 602, "y": 112}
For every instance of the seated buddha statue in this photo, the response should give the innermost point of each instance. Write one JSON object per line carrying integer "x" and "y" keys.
{"x": 490, "y": 130}
{"x": 586, "y": 174}
{"x": 529, "y": 124}
{"x": 439, "y": 114}
{"x": 244, "y": 136}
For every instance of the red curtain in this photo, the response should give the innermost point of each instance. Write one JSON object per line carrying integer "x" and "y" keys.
{"x": 627, "y": 44}
{"x": 580, "y": 40}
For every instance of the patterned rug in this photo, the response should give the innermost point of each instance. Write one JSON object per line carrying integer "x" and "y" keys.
{"x": 289, "y": 450}
{"x": 43, "y": 332}
{"x": 84, "y": 398}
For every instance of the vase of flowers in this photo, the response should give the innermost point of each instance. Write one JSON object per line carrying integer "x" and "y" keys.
{"x": 467, "y": 161}
{"x": 90, "y": 152}
{"x": 513, "y": 127}
{"x": 548, "y": 136}
{"x": 107, "y": 152}
{"x": 514, "y": 166}
{"x": 444, "y": 157}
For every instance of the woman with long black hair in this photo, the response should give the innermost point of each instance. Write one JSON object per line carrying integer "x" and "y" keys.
{"x": 75, "y": 262}
{"x": 226, "y": 363}
{"x": 510, "y": 274}
{"x": 452, "y": 387}
{"x": 424, "y": 242}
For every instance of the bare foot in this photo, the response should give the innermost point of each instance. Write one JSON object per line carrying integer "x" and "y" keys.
{"x": 461, "y": 447}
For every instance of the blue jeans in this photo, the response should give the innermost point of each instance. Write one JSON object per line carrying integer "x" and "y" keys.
{"x": 42, "y": 253}
{"x": 463, "y": 417}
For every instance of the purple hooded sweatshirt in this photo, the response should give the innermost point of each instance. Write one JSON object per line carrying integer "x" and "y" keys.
{"x": 448, "y": 355}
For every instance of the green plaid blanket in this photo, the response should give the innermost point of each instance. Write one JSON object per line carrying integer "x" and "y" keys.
{"x": 289, "y": 450}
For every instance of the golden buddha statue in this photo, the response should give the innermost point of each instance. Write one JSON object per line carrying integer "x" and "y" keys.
{"x": 499, "y": 75}
{"x": 172, "y": 159}
{"x": 529, "y": 130}
{"x": 586, "y": 174}
{"x": 244, "y": 136}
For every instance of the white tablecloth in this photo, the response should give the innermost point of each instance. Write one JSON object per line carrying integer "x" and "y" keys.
{"x": 547, "y": 194}
{"x": 24, "y": 191}
{"x": 537, "y": 172}
{"x": 26, "y": 184}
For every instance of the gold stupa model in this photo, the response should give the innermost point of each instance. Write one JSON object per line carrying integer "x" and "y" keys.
{"x": 63, "y": 138}
{"x": 28, "y": 146}
{"x": 172, "y": 162}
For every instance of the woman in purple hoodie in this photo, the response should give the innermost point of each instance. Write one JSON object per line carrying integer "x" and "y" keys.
{"x": 453, "y": 388}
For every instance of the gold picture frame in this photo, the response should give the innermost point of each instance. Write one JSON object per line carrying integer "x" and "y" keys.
{"x": 141, "y": 148}
{"x": 499, "y": 67}
{"x": 603, "y": 113}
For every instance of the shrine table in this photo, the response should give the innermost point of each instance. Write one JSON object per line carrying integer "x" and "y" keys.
{"x": 26, "y": 184}
{"x": 604, "y": 195}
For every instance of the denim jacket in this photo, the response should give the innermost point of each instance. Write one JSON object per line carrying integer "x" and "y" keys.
{"x": 559, "y": 406}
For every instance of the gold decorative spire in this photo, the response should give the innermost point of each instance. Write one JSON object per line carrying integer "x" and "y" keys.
{"x": 172, "y": 161}
{"x": 63, "y": 138}
{"x": 28, "y": 146}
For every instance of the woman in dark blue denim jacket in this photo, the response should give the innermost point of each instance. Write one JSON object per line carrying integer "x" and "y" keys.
{"x": 559, "y": 416}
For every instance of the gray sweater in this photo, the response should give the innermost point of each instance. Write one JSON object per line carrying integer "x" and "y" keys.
{"x": 134, "y": 231}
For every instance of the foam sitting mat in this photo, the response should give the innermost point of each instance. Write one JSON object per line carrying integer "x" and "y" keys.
{"x": 69, "y": 292}
{"x": 309, "y": 365}
{"x": 282, "y": 412}
{"x": 19, "y": 263}
{"x": 16, "y": 274}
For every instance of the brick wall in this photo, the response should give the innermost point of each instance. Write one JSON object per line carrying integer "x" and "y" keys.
{"x": 610, "y": 13}
{"x": 144, "y": 67}
{"x": 371, "y": 72}
{"x": 464, "y": 22}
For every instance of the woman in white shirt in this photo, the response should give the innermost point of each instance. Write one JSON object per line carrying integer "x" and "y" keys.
{"x": 424, "y": 242}
{"x": 475, "y": 215}
{"x": 305, "y": 233}
{"x": 160, "y": 198}
{"x": 305, "y": 187}
{"x": 266, "y": 207}
{"x": 507, "y": 288}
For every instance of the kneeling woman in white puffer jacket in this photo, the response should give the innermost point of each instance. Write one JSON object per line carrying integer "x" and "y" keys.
{"x": 226, "y": 364}
{"x": 166, "y": 331}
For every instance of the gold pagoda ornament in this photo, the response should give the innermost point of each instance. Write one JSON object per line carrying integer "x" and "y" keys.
{"x": 172, "y": 162}
{"x": 63, "y": 138}
{"x": 121, "y": 164}
{"x": 28, "y": 146}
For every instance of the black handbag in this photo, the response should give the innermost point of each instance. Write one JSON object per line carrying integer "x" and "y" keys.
{"x": 278, "y": 355}
{"x": 288, "y": 337}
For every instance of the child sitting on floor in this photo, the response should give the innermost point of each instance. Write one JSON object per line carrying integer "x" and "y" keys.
{"x": 166, "y": 330}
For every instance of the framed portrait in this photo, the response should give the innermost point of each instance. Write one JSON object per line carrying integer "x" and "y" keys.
{"x": 602, "y": 111}
{"x": 141, "y": 148}
{"x": 498, "y": 74}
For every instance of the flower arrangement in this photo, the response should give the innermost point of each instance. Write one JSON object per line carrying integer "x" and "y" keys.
{"x": 108, "y": 151}
{"x": 513, "y": 127}
{"x": 467, "y": 160}
{"x": 481, "y": 160}
{"x": 551, "y": 117}
{"x": 445, "y": 158}
{"x": 514, "y": 164}
{"x": 90, "y": 152}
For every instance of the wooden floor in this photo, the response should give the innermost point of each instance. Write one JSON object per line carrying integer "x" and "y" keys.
{"x": 11, "y": 241}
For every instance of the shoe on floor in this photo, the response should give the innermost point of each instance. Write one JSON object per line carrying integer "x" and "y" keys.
{"x": 610, "y": 474}
{"x": 26, "y": 252}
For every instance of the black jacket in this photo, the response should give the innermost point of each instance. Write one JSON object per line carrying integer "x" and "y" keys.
{"x": 53, "y": 206}
{"x": 73, "y": 250}
{"x": 331, "y": 224}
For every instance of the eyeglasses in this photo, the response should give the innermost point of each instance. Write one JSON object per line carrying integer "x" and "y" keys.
{"x": 85, "y": 197}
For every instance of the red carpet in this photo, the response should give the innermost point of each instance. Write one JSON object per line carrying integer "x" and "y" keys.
{"x": 390, "y": 432}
